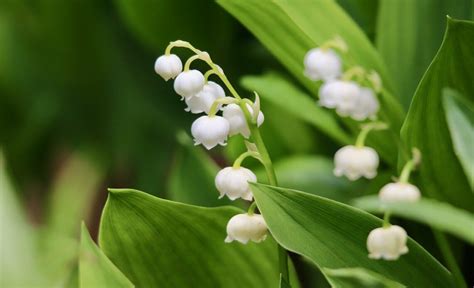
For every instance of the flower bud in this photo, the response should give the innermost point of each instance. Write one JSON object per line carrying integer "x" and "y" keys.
{"x": 189, "y": 83}
{"x": 202, "y": 101}
{"x": 366, "y": 105}
{"x": 387, "y": 243}
{"x": 168, "y": 66}
{"x": 245, "y": 227}
{"x": 354, "y": 162}
{"x": 238, "y": 124}
{"x": 322, "y": 64}
{"x": 341, "y": 95}
{"x": 399, "y": 192}
{"x": 233, "y": 182}
{"x": 210, "y": 131}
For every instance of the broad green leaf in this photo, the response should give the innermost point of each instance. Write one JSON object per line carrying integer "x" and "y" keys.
{"x": 160, "y": 243}
{"x": 290, "y": 28}
{"x": 333, "y": 235}
{"x": 18, "y": 257}
{"x": 314, "y": 174}
{"x": 409, "y": 34}
{"x": 460, "y": 119}
{"x": 284, "y": 94}
{"x": 192, "y": 176}
{"x": 439, "y": 215}
{"x": 441, "y": 174}
{"x": 358, "y": 277}
{"x": 95, "y": 269}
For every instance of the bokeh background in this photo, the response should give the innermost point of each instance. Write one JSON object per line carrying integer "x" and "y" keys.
{"x": 81, "y": 108}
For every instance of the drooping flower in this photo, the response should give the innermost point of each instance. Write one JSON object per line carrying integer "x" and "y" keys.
{"x": 322, "y": 64}
{"x": 355, "y": 162}
{"x": 168, "y": 66}
{"x": 202, "y": 101}
{"x": 399, "y": 192}
{"x": 238, "y": 124}
{"x": 387, "y": 243}
{"x": 245, "y": 227}
{"x": 189, "y": 83}
{"x": 233, "y": 182}
{"x": 365, "y": 106}
{"x": 342, "y": 95}
{"x": 210, "y": 131}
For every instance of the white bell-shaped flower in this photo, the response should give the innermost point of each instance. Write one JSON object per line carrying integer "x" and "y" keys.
{"x": 245, "y": 227}
{"x": 355, "y": 162}
{"x": 238, "y": 124}
{"x": 210, "y": 131}
{"x": 321, "y": 64}
{"x": 189, "y": 83}
{"x": 202, "y": 101}
{"x": 233, "y": 182}
{"x": 168, "y": 66}
{"x": 342, "y": 95}
{"x": 399, "y": 192}
{"x": 387, "y": 243}
{"x": 366, "y": 106}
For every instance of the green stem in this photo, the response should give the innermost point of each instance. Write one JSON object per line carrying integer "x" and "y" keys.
{"x": 252, "y": 207}
{"x": 386, "y": 219}
{"x": 360, "y": 141}
{"x": 190, "y": 60}
{"x": 410, "y": 166}
{"x": 448, "y": 256}
{"x": 268, "y": 165}
{"x": 244, "y": 155}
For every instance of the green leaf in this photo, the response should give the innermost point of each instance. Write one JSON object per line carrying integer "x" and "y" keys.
{"x": 160, "y": 243}
{"x": 313, "y": 174}
{"x": 460, "y": 119}
{"x": 333, "y": 235}
{"x": 439, "y": 215}
{"x": 409, "y": 34}
{"x": 290, "y": 29}
{"x": 95, "y": 269}
{"x": 281, "y": 92}
{"x": 358, "y": 277}
{"x": 192, "y": 176}
{"x": 441, "y": 174}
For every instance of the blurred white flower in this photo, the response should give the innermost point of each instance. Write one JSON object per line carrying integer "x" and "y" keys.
{"x": 233, "y": 182}
{"x": 202, "y": 101}
{"x": 168, "y": 66}
{"x": 399, "y": 192}
{"x": 245, "y": 227}
{"x": 210, "y": 131}
{"x": 238, "y": 124}
{"x": 342, "y": 95}
{"x": 365, "y": 106}
{"x": 355, "y": 162}
{"x": 322, "y": 64}
{"x": 387, "y": 243}
{"x": 189, "y": 83}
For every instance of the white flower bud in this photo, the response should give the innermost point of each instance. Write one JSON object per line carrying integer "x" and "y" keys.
{"x": 366, "y": 105}
{"x": 233, "y": 182}
{"x": 399, "y": 192}
{"x": 202, "y": 101}
{"x": 238, "y": 124}
{"x": 354, "y": 162}
{"x": 387, "y": 243}
{"x": 189, "y": 83}
{"x": 245, "y": 227}
{"x": 210, "y": 131}
{"x": 322, "y": 64}
{"x": 168, "y": 66}
{"x": 341, "y": 95}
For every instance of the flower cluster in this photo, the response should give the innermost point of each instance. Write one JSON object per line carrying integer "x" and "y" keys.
{"x": 238, "y": 117}
{"x": 351, "y": 93}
